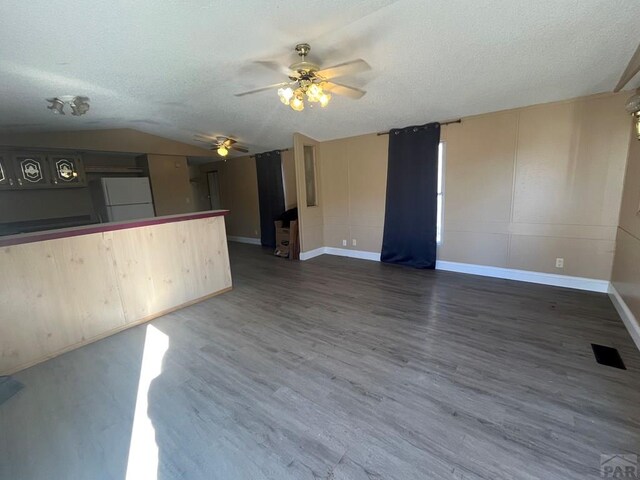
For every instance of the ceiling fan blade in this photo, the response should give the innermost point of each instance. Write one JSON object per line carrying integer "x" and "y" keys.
{"x": 257, "y": 90}
{"x": 347, "y": 91}
{"x": 276, "y": 67}
{"x": 240, "y": 149}
{"x": 346, "y": 68}
{"x": 632, "y": 68}
{"x": 203, "y": 138}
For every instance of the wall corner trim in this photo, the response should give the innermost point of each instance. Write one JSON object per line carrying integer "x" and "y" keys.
{"x": 579, "y": 283}
{"x": 312, "y": 253}
{"x": 629, "y": 319}
{"x": 252, "y": 241}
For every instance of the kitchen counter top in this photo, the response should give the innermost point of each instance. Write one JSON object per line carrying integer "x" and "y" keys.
{"x": 22, "y": 238}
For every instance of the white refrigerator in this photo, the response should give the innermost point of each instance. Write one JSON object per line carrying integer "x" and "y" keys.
{"x": 117, "y": 199}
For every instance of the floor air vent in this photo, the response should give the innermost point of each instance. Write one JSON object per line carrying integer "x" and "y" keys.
{"x": 608, "y": 356}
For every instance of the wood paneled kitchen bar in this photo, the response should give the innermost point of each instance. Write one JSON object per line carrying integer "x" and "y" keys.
{"x": 62, "y": 289}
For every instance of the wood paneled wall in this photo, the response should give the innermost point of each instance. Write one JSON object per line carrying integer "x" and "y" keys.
{"x": 239, "y": 194}
{"x": 60, "y": 294}
{"x": 170, "y": 183}
{"x": 527, "y": 186}
{"x": 626, "y": 265}
{"x": 239, "y": 191}
{"x": 354, "y": 185}
{"x": 522, "y": 187}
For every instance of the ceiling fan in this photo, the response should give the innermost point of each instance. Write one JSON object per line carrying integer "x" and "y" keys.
{"x": 221, "y": 144}
{"x": 633, "y": 103}
{"x": 308, "y": 79}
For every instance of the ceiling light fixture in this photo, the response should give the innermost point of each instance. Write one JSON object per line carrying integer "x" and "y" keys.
{"x": 633, "y": 107}
{"x": 79, "y": 105}
{"x": 221, "y": 144}
{"x": 311, "y": 88}
{"x": 285, "y": 94}
{"x": 57, "y": 106}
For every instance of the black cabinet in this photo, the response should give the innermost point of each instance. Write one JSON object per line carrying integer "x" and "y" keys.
{"x": 19, "y": 170}
{"x": 7, "y": 179}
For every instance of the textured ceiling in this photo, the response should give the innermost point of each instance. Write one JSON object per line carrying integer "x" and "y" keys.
{"x": 171, "y": 68}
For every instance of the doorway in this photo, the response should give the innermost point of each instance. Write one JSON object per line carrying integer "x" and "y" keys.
{"x": 214, "y": 190}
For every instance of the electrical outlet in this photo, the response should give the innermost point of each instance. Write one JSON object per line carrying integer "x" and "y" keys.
{"x": 353, "y": 242}
{"x": 344, "y": 243}
{"x": 559, "y": 262}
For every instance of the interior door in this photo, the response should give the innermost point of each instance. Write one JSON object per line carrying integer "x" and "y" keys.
{"x": 214, "y": 190}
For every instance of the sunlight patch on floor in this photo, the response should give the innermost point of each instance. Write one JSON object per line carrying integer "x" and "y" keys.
{"x": 143, "y": 451}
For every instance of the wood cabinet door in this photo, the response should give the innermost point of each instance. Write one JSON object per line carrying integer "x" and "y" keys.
{"x": 31, "y": 170}
{"x": 66, "y": 170}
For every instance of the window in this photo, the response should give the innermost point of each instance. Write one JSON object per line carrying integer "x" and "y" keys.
{"x": 440, "y": 200}
{"x": 310, "y": 175}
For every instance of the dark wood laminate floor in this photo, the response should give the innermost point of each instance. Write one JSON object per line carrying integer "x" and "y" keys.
{"x": 338, "y": 368}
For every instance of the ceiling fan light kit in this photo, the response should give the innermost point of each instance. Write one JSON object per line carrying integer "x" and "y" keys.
{"x": 633, "y": 107}
{"x": 633, "y": 103}
{"x": 307, "y": 81}
{"x": 57, "y": 106}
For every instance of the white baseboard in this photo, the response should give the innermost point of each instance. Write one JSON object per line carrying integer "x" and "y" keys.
{"x": 629, "y": 319}
{"x": 345, "y": 252}
{"x": 580, "y": 283}
{"x": 252, "y": 241}
{"x": 312, "y": 253}
{"x": 340, "y": 252}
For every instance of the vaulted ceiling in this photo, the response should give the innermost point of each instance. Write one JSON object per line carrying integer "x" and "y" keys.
{"x": 171, "y": 68}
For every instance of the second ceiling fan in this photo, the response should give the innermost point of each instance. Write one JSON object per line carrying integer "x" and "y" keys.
{"x": 308, "y": 80}
{"x": 221, "y": 144}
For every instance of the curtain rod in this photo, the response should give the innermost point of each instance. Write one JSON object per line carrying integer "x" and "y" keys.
{"x": 279, "y": 149}
{"x": 441, "y": 123}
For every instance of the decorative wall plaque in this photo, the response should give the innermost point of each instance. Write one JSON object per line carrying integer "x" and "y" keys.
{"x": 65, "y": 170}
{"x": 31, "y": 170}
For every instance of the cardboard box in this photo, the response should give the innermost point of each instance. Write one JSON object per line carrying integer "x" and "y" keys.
{"x": 287, "y": 245}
